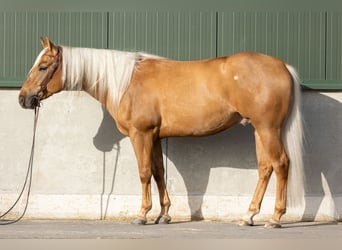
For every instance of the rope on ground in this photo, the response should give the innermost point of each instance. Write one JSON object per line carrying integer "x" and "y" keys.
{"x": 28, "y": 179}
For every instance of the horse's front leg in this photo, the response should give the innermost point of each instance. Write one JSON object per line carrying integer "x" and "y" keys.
{"x": 143, "y": 145}
{"x": 158, "y": 174}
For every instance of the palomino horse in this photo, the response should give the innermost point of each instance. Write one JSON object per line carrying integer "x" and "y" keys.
{"x": 152, "y": 98}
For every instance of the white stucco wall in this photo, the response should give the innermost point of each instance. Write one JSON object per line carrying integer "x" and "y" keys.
{"x": 84, "y": 168}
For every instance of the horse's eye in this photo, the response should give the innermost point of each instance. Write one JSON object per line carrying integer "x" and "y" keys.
{"x": 43, "y": 68}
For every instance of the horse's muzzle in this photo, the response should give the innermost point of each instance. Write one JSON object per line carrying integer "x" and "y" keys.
{"x": 29, "y": 102}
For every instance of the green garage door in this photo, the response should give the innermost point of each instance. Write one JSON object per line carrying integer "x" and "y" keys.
{"x": 177, "y": 35}
{"x": 334, "y": 47}
{"x": 20, "y": 32}
{"x": 297, "y": 38}
{"x": 309, "y": 40}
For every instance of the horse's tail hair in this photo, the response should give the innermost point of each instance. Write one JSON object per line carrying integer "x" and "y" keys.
{"x": 293, "y": 138}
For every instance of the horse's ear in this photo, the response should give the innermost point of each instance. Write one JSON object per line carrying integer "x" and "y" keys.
{"x": 46, "y": 43}
{"x": 42, "y": 42}
{"x": 49, "y": 43}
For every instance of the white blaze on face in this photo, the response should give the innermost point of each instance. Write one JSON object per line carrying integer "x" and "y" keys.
{"x": 236, "y": 77}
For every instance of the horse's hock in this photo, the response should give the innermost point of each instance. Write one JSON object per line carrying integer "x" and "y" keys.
{"x": 77, "y": 174}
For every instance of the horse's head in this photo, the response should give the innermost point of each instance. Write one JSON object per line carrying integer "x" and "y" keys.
{"x": 45, "y": 77}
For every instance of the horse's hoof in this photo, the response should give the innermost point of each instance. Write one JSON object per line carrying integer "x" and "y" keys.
{"x": 163, "y": 220}
{"x": 245, "y": 223}
{"x": 272, "y": 224}
{"x": 139, "y": 221}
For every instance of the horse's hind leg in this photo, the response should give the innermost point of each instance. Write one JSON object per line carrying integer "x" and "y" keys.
{"x": 281, "y": 169}
{"x": 264, "y": 172}
{"x": 158, "y": 175}
{"x": 271, "y": 156}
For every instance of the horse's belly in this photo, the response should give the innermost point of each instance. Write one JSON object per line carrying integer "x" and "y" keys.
{"x": 197, "y": 123}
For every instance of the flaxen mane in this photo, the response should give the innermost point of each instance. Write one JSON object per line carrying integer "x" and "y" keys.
{"x": 99, "y": 71}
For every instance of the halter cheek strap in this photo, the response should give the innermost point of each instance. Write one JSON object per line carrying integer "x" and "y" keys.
{"x": 43, "y": 86}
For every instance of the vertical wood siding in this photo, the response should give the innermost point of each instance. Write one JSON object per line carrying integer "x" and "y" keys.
{"x": 334, "y": 46}
{"x": 311, "y": 41}
{"x": 298, "y": 38}
{"x": 20, "y": 32}
{"x": 183, "y": 36}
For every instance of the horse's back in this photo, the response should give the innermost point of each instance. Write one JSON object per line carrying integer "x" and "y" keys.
{"x": 207, "y": 96}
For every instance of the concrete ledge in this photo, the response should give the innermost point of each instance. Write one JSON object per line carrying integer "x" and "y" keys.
{"x": 85, "y": 169}
{"x": 125, "y": 207}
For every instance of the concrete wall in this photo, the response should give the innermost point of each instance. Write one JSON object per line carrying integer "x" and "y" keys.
{"x": 84, "y": 168}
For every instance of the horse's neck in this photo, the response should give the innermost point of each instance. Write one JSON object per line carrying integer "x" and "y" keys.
{"x": 102, "y": 73}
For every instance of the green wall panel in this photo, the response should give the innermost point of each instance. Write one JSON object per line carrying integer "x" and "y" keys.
{"x": 20, "y": 32}
{"x": 87, "y": 29}
{"x": 334, "y": 46}
{"x": 174, "y": 5}
{"x": 309, "y": 40}
{"x": 296, "y": 37}
{"x": 177, "y": 35}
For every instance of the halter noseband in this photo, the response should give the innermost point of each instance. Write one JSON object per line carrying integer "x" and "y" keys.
{"x": 43, "y": 86}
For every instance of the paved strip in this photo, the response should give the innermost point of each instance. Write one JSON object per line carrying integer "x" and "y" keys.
{"x": 52, "y": 229}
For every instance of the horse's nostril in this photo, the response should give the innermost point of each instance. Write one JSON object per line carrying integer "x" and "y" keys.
{"x": 29, "y": 102}
{"x": 34, "y": 101}
{"x": 22, "y": 101}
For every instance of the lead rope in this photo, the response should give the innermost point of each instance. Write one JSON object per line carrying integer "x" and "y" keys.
{"x": 28, "y": 177}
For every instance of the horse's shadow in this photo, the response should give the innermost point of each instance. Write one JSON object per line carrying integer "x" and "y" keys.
{"x": 106, "y": 140}
{"x": 323, "y": 169}
{"x": 195, "y": 158}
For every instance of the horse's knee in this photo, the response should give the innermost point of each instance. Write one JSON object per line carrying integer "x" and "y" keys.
{"x": 158, "y": 175}
{"x": 145, "y": 175}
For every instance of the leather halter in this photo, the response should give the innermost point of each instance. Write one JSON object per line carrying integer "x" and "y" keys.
{"x": 43, "y": 86}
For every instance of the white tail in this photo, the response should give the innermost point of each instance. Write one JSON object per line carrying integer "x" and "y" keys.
{"x": 293, "y": 138}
